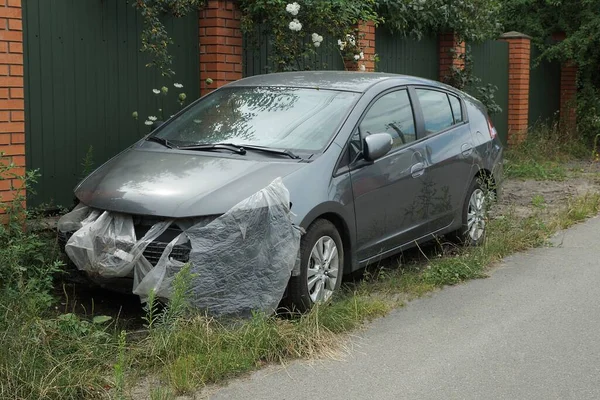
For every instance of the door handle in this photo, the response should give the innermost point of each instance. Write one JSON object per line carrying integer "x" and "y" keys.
{"x": 466, "y": 149}
{"x": 417, "y": 170}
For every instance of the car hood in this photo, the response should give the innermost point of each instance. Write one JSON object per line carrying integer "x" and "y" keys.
{"x": 177, "y": 184}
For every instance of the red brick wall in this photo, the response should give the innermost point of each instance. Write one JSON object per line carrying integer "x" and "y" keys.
{"x": 366, "y": 41}
{"x": 12, "y": 115}
{"x": 568, "y": 96}
{"x": 519, "y": 66}
{"x": 450, "y": 50}
{"x": 220, "y": 44}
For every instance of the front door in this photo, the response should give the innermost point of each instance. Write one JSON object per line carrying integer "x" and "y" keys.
{"x": 387, "y": 192}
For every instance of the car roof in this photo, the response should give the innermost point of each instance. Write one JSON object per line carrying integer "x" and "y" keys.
{"x": 358, "y": 82}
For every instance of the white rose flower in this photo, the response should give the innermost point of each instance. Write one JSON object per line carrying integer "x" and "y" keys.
{"x": 156, "y": 91}
{"x": 317, "y": 39}
{"x": 152, "y": 118}
{"x": 351, "y": 39}
{"x": 178, "y": 85}
{"x": 356, "y": 57}
{"x": 293, "y": 8}
{"x": 362, "y": 55}
{"x": 295, "y": 25}
{"x": 341, "y": 44}
{"x": 148, "y": 122}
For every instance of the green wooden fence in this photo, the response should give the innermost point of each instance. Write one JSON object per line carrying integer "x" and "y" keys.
{"x": 490, "y": 64}
{"x": 407, "y": 56}
{"x": 84, "y": 76}
{"x": 544, "y": 89}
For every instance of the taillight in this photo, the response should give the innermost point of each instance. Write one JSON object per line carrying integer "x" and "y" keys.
{"x": 491, "y": 127}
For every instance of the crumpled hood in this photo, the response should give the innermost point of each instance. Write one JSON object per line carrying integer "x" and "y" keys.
{"x": 177, "y": 184}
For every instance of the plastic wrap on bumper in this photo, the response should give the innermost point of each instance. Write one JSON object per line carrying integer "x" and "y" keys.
{"x": 240, "y": 262}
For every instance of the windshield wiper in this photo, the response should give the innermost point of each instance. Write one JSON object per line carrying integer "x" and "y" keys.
{"x": 239, "y": 149}
{"x": 160, "y": 140}
{"x": 282, "y": 152}
{"x": 215, "y": 146}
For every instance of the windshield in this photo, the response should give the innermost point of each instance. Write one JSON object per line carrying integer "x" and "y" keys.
{"x": 283, "y": 118}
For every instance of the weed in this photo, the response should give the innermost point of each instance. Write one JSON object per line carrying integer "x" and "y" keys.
{"x": 87, "y": 164}
{"x": 538, "y": 201}
{"x": 161, "y": 394}
{"x": 543, "y": 154}
{"x": 119, "y": 367}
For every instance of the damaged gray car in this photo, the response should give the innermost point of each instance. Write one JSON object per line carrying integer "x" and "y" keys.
{"x": 277, "y": 185}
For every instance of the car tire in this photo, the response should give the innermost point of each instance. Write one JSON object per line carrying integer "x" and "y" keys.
{"x": 474, "y": 215}
{"x": 317, "y": 282}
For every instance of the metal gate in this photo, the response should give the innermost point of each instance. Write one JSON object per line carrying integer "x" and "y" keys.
{"x": 490, "y": 64}
{"x": 84, "y": 76}
{"x": 544, "y": 89}
{"x": 407, "y": 56}
{"x": 258, "y": 48}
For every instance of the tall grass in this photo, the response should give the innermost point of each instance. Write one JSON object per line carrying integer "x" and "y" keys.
{"x": 48, "y": 355}
{"x": 543, "y": 154}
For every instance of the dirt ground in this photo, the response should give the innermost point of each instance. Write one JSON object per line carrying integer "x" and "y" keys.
{"x": 524, "y": 196}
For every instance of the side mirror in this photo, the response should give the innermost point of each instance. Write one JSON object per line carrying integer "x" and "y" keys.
{"x": 156, "y": 125}
{"x": 377, "y": 145}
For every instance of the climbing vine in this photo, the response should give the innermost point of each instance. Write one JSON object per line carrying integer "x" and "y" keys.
{"x": 296, "y": 30}
{"x": 155, "y": 39}
{"x": 473, "y": 20}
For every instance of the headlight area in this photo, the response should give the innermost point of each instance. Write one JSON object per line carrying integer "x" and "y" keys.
{"x": 238, "y": 262}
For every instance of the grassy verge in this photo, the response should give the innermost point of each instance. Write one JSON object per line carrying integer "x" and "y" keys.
{"x": 44, "y": 354}
{"x": 543, "y": 155}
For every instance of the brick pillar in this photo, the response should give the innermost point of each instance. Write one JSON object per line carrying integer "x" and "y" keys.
{"x": 519, "y": 67}
{"x": 220, "y": 40}
{"x": 12, "y": 108}
{"x": 568, "y": 90}
{"x": 366, "y": 41}
{"x": 568, "y": 96}
{"x": 451, "y": 50}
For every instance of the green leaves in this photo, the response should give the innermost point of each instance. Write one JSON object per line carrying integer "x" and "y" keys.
{"x": 473, "y": 20}
{"x": 155, "y": 39}
{"x": 101, "y": 319}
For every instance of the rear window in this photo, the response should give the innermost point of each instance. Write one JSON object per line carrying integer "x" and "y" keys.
{"x": 436, "y": 110}
{"x": 298, "y": 119}
{"x": 456, "y": 109}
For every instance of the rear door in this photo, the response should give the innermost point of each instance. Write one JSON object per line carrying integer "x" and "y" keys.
{"x": 387, "y": 190}
{"x": 449, "y": 150}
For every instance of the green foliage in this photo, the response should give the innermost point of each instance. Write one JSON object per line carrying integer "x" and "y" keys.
{"x": 88, "y": 162}
{"x": 27, "y": 259}
{"x": 473, "y": 20}
{"x": 543, "y": 154}
{"x": 119, "y": 368}
{"x": 580, "y": 22}
{"x": 298, "y": 29}
{"x": 155, "y": 39}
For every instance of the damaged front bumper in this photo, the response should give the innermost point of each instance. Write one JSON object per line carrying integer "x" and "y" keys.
{"x": 240, "y": 261}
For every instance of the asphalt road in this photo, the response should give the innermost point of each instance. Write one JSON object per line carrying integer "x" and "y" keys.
{"x": 530, "y": 331}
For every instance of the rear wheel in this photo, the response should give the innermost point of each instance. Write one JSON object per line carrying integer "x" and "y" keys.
{"x": 474, "y": 215}
{"x": 321, "y": 266}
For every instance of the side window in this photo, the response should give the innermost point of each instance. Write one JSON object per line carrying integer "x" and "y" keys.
{"x": 392, "y": 113}
{"x": 436, "y": 110}
{"x": 456, "y": 109}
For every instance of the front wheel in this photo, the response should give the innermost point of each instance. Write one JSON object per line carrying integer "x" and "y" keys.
{"x": 474, "y": 215}
{"x": 322, "y": 260}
